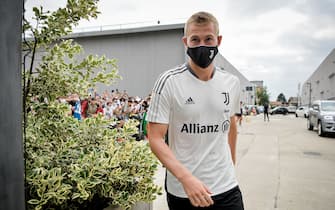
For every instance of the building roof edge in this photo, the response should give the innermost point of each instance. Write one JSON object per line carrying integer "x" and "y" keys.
{"x": 103, "y": 32}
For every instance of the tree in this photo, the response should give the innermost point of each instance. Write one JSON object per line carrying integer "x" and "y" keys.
{"x": 49, "y": 29}
{"x": 263, "y": 96}
{"x": 71, "y": 164}
{"x": 281, "y": 98}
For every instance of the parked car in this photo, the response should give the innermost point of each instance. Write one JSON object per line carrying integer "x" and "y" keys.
{"x": 279, "y": 110}
{"x": 322, "y": 116}
{"x": 291, "y": 109}
{"x": 302, "y": 111}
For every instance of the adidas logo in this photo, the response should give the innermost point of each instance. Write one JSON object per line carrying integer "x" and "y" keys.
{"x": 189, "y": 101}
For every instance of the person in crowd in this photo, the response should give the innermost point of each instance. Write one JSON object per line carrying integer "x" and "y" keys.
{"x": 239, "y": 115}
{"x": 196, "y": 103}
{"x": 100, "y": 109}
{"x": 117, "y": 109}
{"x": 74, "y": 100}
{"x": 84, "y": 107}
{"x": 124, "y": 94}
{"x": 105, "y": 96}
{"x": 91, "y": 107}
{"x": 144, "y": 122}
{"x": 137, "y": 106}
{"x": 117, "y": 93}
{"x": 129, "y": 109}
{"x": 108, "y": 110}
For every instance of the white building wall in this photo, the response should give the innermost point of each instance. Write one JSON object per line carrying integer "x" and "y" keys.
{"x": 321, "y": 84}
{"x": 141, "y": 55}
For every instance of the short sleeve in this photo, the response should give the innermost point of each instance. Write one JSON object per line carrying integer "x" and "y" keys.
{"x": 160, "y": 105}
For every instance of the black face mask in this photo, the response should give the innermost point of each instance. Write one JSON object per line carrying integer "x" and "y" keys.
{"x": 203, "y": 56}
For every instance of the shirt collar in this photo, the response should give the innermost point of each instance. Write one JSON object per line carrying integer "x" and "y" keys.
{"x": 193, "y": 73}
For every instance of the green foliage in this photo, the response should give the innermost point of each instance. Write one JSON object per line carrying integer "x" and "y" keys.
{"x": 60, "y": 73}
{"x": 262, "y": 96}
{"x": 69, "y": 163}
{"x": 281, "y": 98}
{"x": 73, "y": 164}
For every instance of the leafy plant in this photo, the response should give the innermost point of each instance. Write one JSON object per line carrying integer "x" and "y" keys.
{"x": 71, "y": 164}
{"x": 81, "y": 165}
{"x": 281, "y": 98}
{"x": 262, "y": 96}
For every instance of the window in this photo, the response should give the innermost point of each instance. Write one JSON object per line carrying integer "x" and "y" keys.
{"x": 248, "y": 88}
{"x": 328, "y": 106}
{"x": 315, "y": 107}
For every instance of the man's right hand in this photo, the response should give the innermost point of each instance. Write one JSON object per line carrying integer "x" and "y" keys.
{"x": 197, "y": 192}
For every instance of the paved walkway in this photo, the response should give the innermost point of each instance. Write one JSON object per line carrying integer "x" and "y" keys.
{"x": 160, "y": 202}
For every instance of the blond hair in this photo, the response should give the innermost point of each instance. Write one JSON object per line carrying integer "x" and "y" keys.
{"x": 202, "y": 18}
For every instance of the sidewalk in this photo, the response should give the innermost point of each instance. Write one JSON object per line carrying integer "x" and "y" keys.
{"x": 160, "y": 202}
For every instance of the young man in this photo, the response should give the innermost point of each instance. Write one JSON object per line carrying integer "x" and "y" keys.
{"x": 266, "y": 112}
{"x": 196, "y": 103}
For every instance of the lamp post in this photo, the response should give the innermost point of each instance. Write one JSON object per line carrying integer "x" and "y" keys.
{"x": 299, "y": 96}
{"x": 310, "y": 94}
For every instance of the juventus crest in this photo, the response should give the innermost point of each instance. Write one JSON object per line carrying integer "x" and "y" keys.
{"x": 226, "y": 97}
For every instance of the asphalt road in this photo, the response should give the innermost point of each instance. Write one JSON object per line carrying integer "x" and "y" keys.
{"x": 281, "y": 165}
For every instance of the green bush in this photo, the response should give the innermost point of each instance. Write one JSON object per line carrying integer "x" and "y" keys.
{"x": 73, "y": 164}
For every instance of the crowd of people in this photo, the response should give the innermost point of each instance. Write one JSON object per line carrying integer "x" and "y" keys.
{"x": 114, "y": 105}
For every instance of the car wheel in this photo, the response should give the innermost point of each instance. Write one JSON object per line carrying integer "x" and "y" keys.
{"x": 309, "y": 125}
{"x": 305, "y": 115}
{"x": 296, "y": 115}
{"x": 320, "y": 131}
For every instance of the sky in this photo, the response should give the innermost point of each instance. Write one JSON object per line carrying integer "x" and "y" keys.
{"x": 281, "y": 42}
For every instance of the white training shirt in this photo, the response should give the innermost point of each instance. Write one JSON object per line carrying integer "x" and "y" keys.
{"x": 198, "y": 113}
